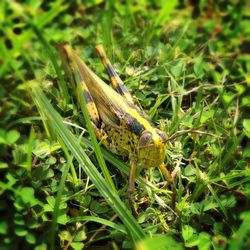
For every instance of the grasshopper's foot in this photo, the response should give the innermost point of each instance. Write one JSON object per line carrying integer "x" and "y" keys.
{"x": 132, "y": 203}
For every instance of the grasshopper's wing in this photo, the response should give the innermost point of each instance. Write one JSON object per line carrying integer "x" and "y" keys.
{"x": 95, "y": 91}
{"x": 116, "y": 81}
{"x": 112, "y": 107}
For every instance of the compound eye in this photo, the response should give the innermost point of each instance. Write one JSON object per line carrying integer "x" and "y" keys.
{"x": 145, "y": 139}
{"x": 162, "y": 134}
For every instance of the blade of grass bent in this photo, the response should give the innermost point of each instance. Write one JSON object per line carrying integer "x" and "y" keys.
{"x": 58, "y": 199}
{"x": 97, "y": 149}
{"x": 29, "y": 150}
{"x": 102, "y": 221}
{"x": 107, "y": 27}
{"x": 133, "y": 228}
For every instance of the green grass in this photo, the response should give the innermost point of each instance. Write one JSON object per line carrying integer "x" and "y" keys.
{"x": 186, "y": 65}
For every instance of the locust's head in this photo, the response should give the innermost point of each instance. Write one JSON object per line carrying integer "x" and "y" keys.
{"x": 152, "y": 148}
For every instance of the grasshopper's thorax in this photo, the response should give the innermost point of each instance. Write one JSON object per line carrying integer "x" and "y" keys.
{"x": 151, "y": 148}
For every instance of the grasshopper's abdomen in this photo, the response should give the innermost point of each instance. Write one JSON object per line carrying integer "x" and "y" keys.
{"x": 124, "y": 138}
{"x": 122, "y": 142}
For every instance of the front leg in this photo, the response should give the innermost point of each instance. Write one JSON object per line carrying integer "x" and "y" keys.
{"x": 131, "y": 186}
{"x": 170, "y": 181}
{"x": 166, "y": 173}
{"x": 101, "y": 135}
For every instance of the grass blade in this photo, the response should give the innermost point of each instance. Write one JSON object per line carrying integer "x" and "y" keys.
{"x": 30, "y": 146}
{"x": 58, "y": 199}
{"x": 62, "y": 86}
{"x": 97, "y": 149}
{"x": 101, "y": 221}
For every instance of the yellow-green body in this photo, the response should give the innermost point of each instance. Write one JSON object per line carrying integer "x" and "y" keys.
{"x": 123, "y": 128}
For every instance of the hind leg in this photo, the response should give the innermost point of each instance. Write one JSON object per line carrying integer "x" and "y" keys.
{"x": 131, "y": 187}
{"x": 93, "y": 113}
{"x": 75, "y": 76}
{"x": 116, "y": 81}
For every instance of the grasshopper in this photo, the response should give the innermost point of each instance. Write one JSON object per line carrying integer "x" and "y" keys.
{"x": 122, "y": 127}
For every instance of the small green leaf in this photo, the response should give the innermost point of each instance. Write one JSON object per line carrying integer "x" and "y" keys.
{"x": 246, "y": 101}
{"x": 77, "y": 245}
{"x": 51, "y": 160}
{"x": 80, "y": 236}
{"x": 240, "y": 88}
{"x": 43, "y": 246}
{"x": 246, "y": 152}
{"x": 27, "y": 194}
{"x": 190, "y": 170}
{"x": 165, "y": 242}
{"x": 3, "y": 165}
{"x": 51, "y": 203}
{"x": 198, "y": 67}
{"x": 20, "y": 231}
{"x": 63, "y": 219}
{"x": 246, "y": 125}
{"x": 206, "y": 115}
{"x": 209, "y": 204}
{"x": 45, "y": 148}
{"x": 2, "y": 136}
{"x": 228, "y": 97}
{"x": 187, "y": 232}
{"x": 7, "y": 240}
{"x": 30, "y": 238}
{"x": 193, "y": 241}
{"x": 204, "y": 241}
{"x": 43, "y": 173}
{"x": 65, "y": 235}
{"x": 19, "y": 220}
{"x": 12, "y": 136}
{"x": 177, "y": 69}
{"x": 3, "y": 227}
{"x": 11, "y": 179}
{"x": 98, "y": 208}
{"x": 84, "y": 200}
